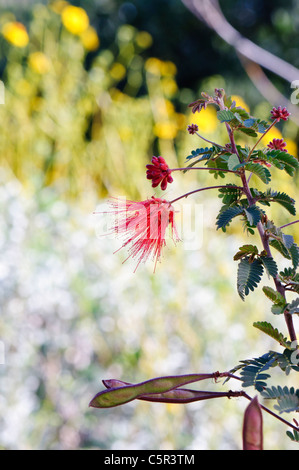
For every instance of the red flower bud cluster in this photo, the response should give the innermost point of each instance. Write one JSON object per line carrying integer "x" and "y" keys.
{"x": 192, "y": 128}
{"x": 159, "y": 172}
{"x": 277, "y": 144}
{"x": 280, "y": 113}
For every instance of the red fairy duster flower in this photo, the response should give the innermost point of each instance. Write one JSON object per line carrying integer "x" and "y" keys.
{"x": 280, "y": 113}
{"x": 159, "y": 172}
{"x": 277, "y": 144}
{"x": 142, "y": 225}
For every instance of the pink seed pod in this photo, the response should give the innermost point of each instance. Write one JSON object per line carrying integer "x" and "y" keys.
{"x": 253, "y": 426}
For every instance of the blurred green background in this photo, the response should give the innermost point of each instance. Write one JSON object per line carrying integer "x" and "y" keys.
{"x": 90, "y": 96}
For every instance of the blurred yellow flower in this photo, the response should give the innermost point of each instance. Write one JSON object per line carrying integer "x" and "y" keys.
{"x": 206, "y": 120}
{"x": 75, "y": 19}
{"x": 153, "y": 65}
{"x": 24, "y": 87}
{"x": 240, "y": 102}
{"x": 90, "y": 39}
{"x": 168, "y": 68}
{"x": 144, "y": 39}
{"x": 58, "y": 5}
{"x": 39, "y": 62}
{"x": 181, "y": 120}
{"x": 292, "y": 147}
{"x": 169, "y": 86}
{"x": 125, "y": 133}
{"x": 165, "y": 130}
{"x": 118, "y": 71}
{"x": 15, "y": 33}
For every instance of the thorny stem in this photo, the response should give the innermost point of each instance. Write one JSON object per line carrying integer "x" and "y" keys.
{"x": 202, "y": 189}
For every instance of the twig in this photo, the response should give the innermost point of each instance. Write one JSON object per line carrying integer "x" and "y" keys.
{"x": 273, "y": 414}
{"x": 202, "y": 189}
{"x": 202, "y": 168}
{"x": 290, "y": 223}
{"x": 210, "y": 141}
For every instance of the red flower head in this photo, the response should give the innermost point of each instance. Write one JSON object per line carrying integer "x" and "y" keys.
{"x": 143, "y": 225}
{"x": 192, "y": 129}
{"x": 159, "y": 172}
{"x": 277, "y": 144}
{"x": 278, "y": 113}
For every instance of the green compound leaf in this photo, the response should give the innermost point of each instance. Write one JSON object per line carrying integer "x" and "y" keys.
{"x": 287, "y": 398}
{"x": 281, "y": 198}
{"x": 204, "y": 152}
{"x": 279, "y": 246}
{"x": 248, "y": 276}
{"x": 253, "y": 215}
{"x": 269, "y": 330}
{"x": 248, "y": 131}
{"x": 253, "y": 374}
{"x": 225, "y": 116}
{"x": 283, "y": 160}
{"x": 274, "y": 296}
{"x": 262, "y": 172}
{"x": 293, "y": 307}
{"x": 294, "y": 436}
{"x": 233, "y": 161}
{"x": 229, "y": 194}
{"x": 246, "y": 250}
{"x": 270, "y": 265}
{"x": 289, "y": 360}
{"x": 294, "y": 253}
{"x": 227, "y": 214}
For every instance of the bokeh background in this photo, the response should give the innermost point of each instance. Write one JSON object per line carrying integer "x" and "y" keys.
{"x": 90, "y": 95}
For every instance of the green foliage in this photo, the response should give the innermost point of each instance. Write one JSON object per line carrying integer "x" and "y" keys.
{"x": 282, "y": 160}
{"x": 253, "y": 371}
{"x": 253, "y": 215}
{"x": 273, "y": 295}
{"x": 229, "y": 194}
{"x": 226, "y": 215}
{"x": 287, "y": 398}
{"x": 248, "y": 276}
{"x": 293, "y": 307}
{"x": 294, "y": 436}
{"x": 268, "y": 329}
{"x": 270, "y": 265}
{"x": 246, "y": 250}
{"x": 281, "y": 198}
{"x": 262, "y": 172}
